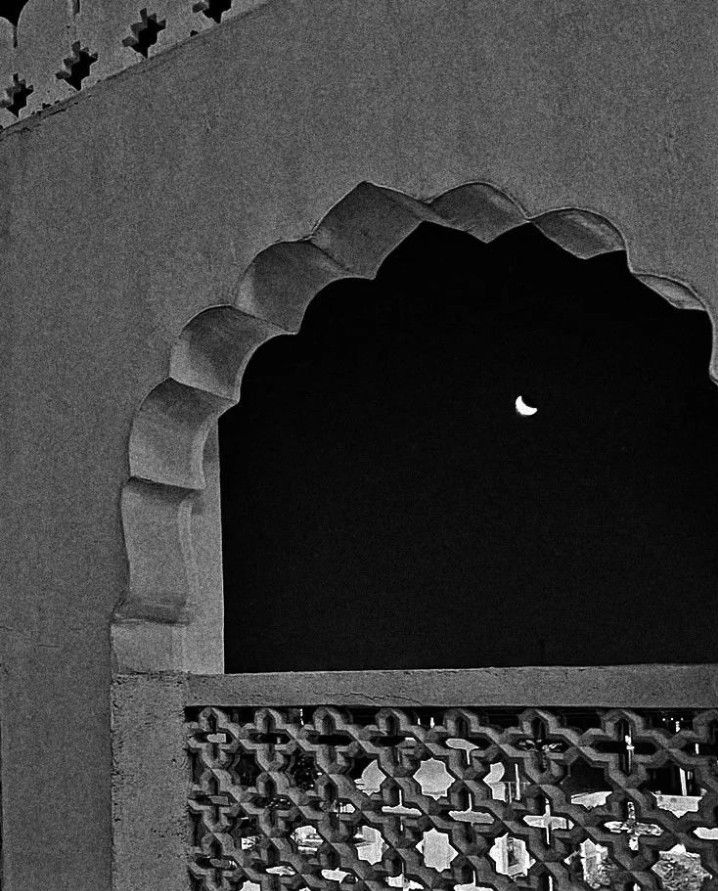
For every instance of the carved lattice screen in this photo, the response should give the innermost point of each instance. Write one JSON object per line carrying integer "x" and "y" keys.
{"x": 322, "y": 797}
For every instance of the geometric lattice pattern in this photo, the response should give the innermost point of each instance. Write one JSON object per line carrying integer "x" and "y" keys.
{"x": 544, "y": 799}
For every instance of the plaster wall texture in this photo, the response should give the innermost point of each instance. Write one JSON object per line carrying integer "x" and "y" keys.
{"x": 150, "y": 782}
{"x": 129, "y": 209}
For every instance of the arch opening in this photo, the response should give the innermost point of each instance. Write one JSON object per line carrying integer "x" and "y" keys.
{"x": 170, "y": 617}
{"x": 386, "y": 504}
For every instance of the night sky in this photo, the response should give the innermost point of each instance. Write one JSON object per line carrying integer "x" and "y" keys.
{"x": 384, "y": 506}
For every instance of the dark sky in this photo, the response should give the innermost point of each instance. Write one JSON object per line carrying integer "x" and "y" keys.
{"x": 385, "y": 506}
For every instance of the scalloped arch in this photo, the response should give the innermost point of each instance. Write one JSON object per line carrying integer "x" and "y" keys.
{"x": 170, "y": 429}
{"x": 12, "y": 9}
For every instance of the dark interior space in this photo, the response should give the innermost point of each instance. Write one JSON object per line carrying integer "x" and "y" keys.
{"x": 386, "y": 506}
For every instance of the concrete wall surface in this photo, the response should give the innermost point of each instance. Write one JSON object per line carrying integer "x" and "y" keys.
{"x": 126, "y": 211}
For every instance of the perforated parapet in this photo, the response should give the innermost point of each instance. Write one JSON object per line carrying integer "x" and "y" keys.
{"x": 460, "y": 798}
{"x": 51, "y": 50}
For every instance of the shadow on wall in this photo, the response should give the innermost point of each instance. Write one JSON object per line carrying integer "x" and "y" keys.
{"x": 385, "y": 505}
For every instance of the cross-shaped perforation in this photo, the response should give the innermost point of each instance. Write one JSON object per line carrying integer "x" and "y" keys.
{"x": 77, "y": 65}
{"x": 144, "y": 33}
{"x": 213, "y": 9}
{"x": 17, "y": 95}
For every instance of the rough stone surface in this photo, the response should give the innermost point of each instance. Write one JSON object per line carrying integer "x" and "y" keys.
{"x": 131, "y": 208}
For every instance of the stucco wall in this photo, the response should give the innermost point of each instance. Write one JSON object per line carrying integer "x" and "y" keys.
{"x": 126, "y": 211}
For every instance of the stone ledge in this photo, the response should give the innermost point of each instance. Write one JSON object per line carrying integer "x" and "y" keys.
{"x": 605, "y": 686}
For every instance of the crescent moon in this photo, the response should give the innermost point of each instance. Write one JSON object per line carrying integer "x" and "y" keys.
{"x": 523, "y": 409}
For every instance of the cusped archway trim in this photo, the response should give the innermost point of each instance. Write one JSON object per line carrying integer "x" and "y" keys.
{"x": 170, "y": 429}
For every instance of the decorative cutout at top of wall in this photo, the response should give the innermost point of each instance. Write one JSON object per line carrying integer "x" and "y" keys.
{"x": 51, "y": 49}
